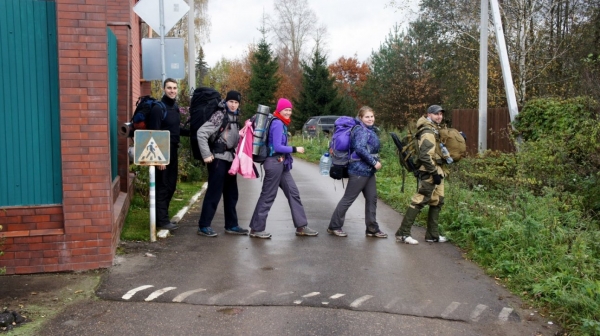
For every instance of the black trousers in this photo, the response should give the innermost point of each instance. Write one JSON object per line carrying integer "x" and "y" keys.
{"x": 220, "y": 183}
{"x": 166, "y": 183}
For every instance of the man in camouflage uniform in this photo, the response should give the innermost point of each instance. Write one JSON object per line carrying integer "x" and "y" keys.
{"x": 431, "y": 179}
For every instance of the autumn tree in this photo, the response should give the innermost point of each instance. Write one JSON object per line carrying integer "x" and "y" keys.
{"x": 319, "y": 95}
{"x": 293, "y": 26}
{"x": 350, "y": 76}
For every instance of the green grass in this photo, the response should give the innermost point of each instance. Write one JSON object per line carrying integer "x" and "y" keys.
{"x": 137, "y": 223}
{"x": 542, "y": 244}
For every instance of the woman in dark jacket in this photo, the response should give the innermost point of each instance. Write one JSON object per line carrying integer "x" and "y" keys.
{"x": 364, "y": 163}
{"x": 277, "y": 175}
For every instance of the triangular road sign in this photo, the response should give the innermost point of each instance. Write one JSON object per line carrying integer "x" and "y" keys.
{"x": 152, "y": 153}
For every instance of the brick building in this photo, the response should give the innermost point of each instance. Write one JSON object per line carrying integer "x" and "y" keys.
{"x": 71, "y": 74}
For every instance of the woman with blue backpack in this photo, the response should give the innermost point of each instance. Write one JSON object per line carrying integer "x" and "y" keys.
{"x": 277, "y": 175}
{"x": 364, "y": 163}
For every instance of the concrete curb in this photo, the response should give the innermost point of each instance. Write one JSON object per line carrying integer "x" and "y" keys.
{"x": 185, "y": 209}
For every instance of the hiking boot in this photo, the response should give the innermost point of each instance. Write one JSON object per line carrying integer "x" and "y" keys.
{"x": 237, "y": 231}
{"x": 207, "y": 231}
{"x": 378, "y": 234}
{"x": 306, "y": 231}
{"x": 406, "y": 240}
{"x": 337, "y": 232}
{"x": 168, "y": 226}
{"x": 440, "y": 239}
{"x": 260, "y": 234}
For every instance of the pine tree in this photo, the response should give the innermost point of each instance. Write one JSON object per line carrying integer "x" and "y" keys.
{"x": 263, "y": 79}
{"x": 319, "y": 95}
{"x": 201, "y": 68}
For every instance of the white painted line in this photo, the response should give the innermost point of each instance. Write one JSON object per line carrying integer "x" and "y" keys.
{"x": 311, "y": 294}
{"x": 285, "y": 293}
{"x": 503, "y": 316}
{"x": 184, "y": 295}
{"x": 360, "y": 301}
{"x": 451, "y": 307}
{"x": 336, "y": 296}
{"x": 158, "y": 293}
{"x": 132, "y": 292}
{"x": 214, "y": 298}
{"x": 476, "y": 313}
{"x": 298, "y": 301}
{"x": 185, "y": 209}
{"x": 392, "y": 303}
{"x": 258, "y": 292}
{"x": 325, "y": 303}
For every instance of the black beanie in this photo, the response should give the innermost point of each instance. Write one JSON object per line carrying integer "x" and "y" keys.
{"x": 233, "y": 95}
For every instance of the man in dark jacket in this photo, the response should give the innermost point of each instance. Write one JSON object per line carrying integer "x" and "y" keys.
{"x": 166, "y": 175}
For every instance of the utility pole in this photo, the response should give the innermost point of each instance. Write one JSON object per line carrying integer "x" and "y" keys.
{"x": 191, "y": 48}
{"x": 483, "y": 78}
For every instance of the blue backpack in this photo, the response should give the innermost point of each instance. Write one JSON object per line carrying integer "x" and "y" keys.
{"x": 339, "y": 147}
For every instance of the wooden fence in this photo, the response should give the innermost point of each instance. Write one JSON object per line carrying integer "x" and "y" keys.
{"x": 498, "y": 127}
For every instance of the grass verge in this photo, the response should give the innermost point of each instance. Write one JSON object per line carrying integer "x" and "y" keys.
{"x": 137, "y": 223}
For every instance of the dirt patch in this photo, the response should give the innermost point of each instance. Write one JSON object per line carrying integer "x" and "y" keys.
{"x": 40, "y": 297}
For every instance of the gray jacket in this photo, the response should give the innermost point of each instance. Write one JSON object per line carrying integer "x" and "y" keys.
{"x": 229, "y": 137}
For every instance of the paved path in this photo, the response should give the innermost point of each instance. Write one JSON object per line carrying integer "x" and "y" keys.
{"x": 303, "y": 285}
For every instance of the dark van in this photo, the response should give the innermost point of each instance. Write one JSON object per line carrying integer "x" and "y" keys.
{"x": 319, "y": 124}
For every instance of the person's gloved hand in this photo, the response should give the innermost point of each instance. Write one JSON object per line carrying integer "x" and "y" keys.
{"x": 437, "y": 179}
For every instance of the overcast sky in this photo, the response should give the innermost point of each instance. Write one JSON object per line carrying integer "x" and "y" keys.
{"x": 353, "y": 26}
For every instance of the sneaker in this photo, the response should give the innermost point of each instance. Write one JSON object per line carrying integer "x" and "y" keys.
{"x": 260, "y": 234}
{"x": 207, "y": 231}
{"x": 378, "y": 234}
{"x": 440, "y": 239}
{"x": 168, "y": 226}
{"x": 337, "y": 232}
{"x": 406, "y": 240}
{"x": 237, "y": 230}
{"x": 306, "y": 231}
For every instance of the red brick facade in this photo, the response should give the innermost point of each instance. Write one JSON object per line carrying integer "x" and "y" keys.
{"x": 83, "y": 232}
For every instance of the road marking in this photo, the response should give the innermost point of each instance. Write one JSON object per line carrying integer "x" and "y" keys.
{"x": 158, "y": 293}
{"x": 476, "y": 313}
{"x": 214, "y": 298}
{"x": 311, "y": 294}
{"x": 325, "y": 303}
{"x": 421, "y": 308}
{"x": 132, "y": 292}
{"x": 285, "y": 293}
{"x": 336, "y": 296}
{"x": 360, "y": 301}
{"x": 184, "y": 295}
{"x": 451, "y": 307}
{"x": 258, "y": 292}
{"x": 504, "y": 314}
{"x": 298, "y": 301}
{"x": 392, "y": 303}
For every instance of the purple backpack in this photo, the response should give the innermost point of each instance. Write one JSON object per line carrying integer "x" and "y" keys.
{"x": 339, "y": 147}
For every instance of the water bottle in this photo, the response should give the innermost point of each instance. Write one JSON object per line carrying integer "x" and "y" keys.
{"x": 325, "y": 164}
{"x": 446, "y": 154}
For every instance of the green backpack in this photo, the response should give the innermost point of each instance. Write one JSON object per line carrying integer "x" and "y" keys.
{"x": 407, "y": 149}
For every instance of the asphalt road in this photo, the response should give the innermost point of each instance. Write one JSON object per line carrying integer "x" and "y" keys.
{"x": 289, "y": 285}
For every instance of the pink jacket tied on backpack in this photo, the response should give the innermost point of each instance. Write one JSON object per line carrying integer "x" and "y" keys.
{"x": 242, "y": 163}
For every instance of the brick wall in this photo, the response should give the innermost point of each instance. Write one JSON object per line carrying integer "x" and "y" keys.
{"x": 83, "y": 232}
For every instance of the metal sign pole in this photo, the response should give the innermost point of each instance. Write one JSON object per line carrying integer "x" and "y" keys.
{"x": 161, "y": 6}
{"x": 152, "y": 203}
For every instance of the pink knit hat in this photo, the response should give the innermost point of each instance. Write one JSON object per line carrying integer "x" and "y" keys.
{"x": 282, "y": 104}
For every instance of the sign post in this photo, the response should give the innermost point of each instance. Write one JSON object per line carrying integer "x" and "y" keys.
{"x": 152, "y": 148}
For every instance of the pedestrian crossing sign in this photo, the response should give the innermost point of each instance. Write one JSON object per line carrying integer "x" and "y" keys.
{"x": 152, "y": 148}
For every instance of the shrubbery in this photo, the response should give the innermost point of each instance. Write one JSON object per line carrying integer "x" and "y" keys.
{"x": 528, "y": 218}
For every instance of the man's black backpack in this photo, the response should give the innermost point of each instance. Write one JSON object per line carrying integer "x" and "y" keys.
{"x": 205, "y": 101}
{"x": 142, "y": 109}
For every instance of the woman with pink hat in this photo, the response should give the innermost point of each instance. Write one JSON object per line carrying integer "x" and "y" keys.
{"x": 277, "y": 175}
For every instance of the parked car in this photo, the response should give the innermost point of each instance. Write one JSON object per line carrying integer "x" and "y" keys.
{"x": 319, "y": 125}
